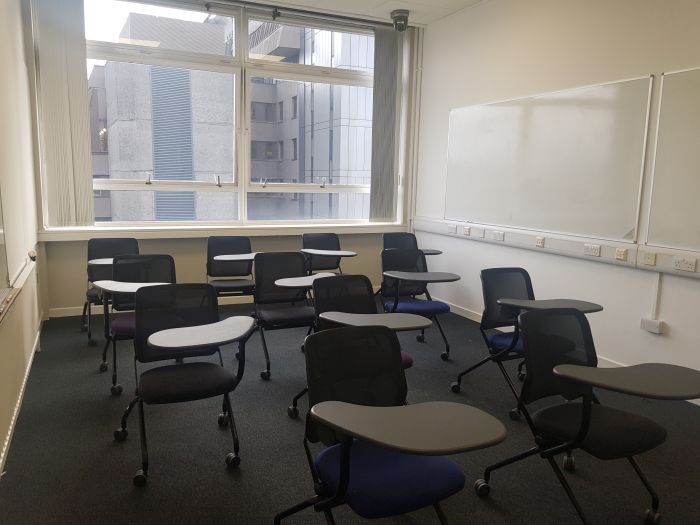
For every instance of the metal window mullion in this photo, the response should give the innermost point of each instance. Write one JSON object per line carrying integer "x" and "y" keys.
{"x": 243, "y": 122}
{"x": 160, "y": 185}
{"x": 306, "y": 188}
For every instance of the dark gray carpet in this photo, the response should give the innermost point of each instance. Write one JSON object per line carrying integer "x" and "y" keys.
{"x": 64, "y": 467}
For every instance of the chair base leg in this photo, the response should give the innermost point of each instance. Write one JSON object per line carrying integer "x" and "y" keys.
{"x": 232, "y": 459}
{"x": 142, "y": 474}
{"x": 121, "y": 433}
{"x": 647, "y": 484}
{"x": 446, "y": 354}
{"x": 440, "y": 514}
{"x": 116, "y": 388}
{"x": 265, "y": 374}
{"x": 293, "y": 409}
{"x": 296, "y": 508}
{"x": 567, "y": 488}
{"x": 455, "y": 386}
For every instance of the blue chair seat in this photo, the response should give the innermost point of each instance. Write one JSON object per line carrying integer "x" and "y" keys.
{"x": 384, "y": 482}
{"x": 418, "y": 307}
{"x": 503, "y": 340}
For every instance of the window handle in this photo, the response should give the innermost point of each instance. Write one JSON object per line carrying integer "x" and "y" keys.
{"x": 264, "y": 183}
{"x": 148, "y": 180}
{"x": 323, "y": 182}
{"x": 218, "y": 181}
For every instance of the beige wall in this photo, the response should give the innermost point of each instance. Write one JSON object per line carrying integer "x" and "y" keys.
{"x": 66, "y": 261}
{"x": 502, "y": 49}
{"x": 19, "y": 328}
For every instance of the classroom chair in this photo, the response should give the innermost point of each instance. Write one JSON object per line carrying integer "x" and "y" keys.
{"x": 101, "y": 249}
{"x": 499, "y": 283}
{"x": 563, "y": 336}
{"x": 229, "y": 277}
{"x": 134, "y": 269}
{"x": 411, "y": 260}
{"x": 321, "y": 241}
{"x": 276, "y": 307}
{"x": 174, "y": 306}
{"x": 399, "y": 241}
{"x": 362, "y": 365}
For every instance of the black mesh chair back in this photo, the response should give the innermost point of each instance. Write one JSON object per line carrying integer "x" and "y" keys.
{"x": 140, "y": 269}
{"x": 553, "y": 337}
{"x": 402, "y": 260}
{"x": 107, "y": 249}
{"x": 500, "y": 283}
{"x": 399, "y": 241}
{"x": 271, "y": 266}
{"x": 321, "y": 241}
{"x": 343, "y": 293}
{"x": 172, "y": 306}
{"x": 360, "y": 365}
{"x": 228, "y": 245}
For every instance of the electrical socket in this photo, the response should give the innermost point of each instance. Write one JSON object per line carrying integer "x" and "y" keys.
{"x": 684, "y": 264}
{"x": 451, "y": 228}
{"x": 481, "y": 232}
{"x": 650, "y": 258}
{"x": 654, "y": 326}
{"x": 621, "y": 254}
{"x": 539, "y": 242}
{"x": 497, "y": 236}
{"x": 591, "y": 249}
{"x": 467, "y": 230}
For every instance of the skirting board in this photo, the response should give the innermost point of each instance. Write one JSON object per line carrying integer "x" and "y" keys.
{"x": 18, "y": 405}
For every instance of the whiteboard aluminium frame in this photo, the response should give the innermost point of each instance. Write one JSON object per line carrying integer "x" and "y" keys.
{"x": 635, "y": 237}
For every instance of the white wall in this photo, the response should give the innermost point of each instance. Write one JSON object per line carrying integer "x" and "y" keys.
{"x": 19, "y": 328}
{"x": 501, "y": 49}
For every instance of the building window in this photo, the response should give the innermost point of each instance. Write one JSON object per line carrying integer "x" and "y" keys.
{"x": 163, "y": 83}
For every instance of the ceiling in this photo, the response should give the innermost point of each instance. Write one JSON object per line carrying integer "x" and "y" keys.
{"x": 421, "y": 12}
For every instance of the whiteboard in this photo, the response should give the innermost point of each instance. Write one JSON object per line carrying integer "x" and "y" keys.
{"x": 566, "y": 162}
{"x": 673, "y": 215}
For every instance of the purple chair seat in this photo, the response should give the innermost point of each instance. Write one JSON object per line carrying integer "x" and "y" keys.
{"x": 503, "y": 340}
{"x": 385, "y": 482}
{"x": 123, "y": 325}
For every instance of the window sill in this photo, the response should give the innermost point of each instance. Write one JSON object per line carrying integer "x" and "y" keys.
{"x": 83, "y": 233}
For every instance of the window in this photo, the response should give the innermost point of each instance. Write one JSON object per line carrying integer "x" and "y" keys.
{"x": 171, "y": 92}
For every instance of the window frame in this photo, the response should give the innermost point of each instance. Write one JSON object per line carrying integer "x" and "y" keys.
{"x": 243, "y": 68}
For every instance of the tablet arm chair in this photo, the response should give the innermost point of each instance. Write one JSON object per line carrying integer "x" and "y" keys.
{"x": 342, "y": 293}
{"x": 101, "y": 249}
{"x": 399, "y": 241}
{"x": 229, "y": 277}
{"x": 499, "y": 283}
{"x": 563, "y": 336}
{"x": 402, "y": 297}
{"x": 321, "y": 241}
{"x": 276, "y": 307}
{"x": 362, "y": 365}
{"x": 135, "y": 269}
{"x": 175, "y": 306}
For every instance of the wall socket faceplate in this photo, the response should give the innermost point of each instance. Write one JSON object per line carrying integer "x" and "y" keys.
{"x": 650, "y": 258}
{"x": 684, "y": 264}
{"x": 621, "y": 254}
{"x": 497, "y": 235}
{"x": 467, "y": 231}
{"x": 539, "y": 242}
{"x": 591, "y": 249}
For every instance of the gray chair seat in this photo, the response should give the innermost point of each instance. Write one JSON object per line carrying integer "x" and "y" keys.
{"x": 612, "y": 434}
{"x": 287, "y": 317}
{"x": 185, "y": 382}
{"x": 233, "y": 285}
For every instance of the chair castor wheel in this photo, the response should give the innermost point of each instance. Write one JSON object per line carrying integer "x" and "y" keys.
{"x": 420, "y": 338}
{"x": 482, "y": 488}
{"x": 265, "y": 375}
{"x": 651, "y": 517}
{"x": 455, "y": 387}
{"x": 140, "y": 478}
{"x": 514, "y": 414}
{"x": 223, "y": 420}
{"x": 569, "y": 463}
{"x": 293, "y": 411}
{"x": 103, "y": 367}
{"x": 116, "y": 390}
{"x": 120, "y": 434}
{"x": 521, "y": 376}
{"x": 445, "y": 356}
{"x": 232, "y": 460}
